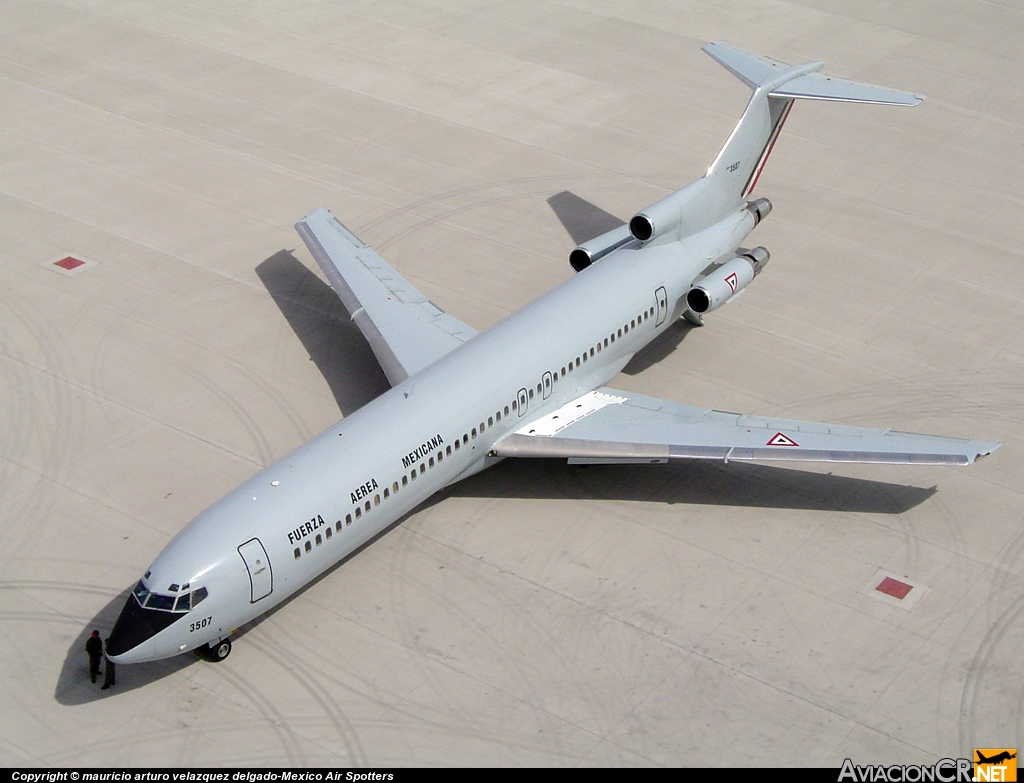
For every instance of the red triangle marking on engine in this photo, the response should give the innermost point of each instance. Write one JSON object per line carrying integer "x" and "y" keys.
{"x": 778, "y": 439}
{"x": 731, "y": 281}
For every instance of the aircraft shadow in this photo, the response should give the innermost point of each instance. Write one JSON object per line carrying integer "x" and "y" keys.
{"x": 695, "y": 483}
{"x": 659, "y": 348}
{"x": 582, "y": 219}
{"x": 320, "y": 321}
{"x": 73, "y": 686}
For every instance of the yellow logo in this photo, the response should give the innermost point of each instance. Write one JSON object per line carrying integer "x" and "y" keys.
{"x": 995, "y": 764}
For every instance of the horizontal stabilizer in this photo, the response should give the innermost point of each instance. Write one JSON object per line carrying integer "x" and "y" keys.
{"x": 814, "y": 86}
{"x": 751, "y": 69}
{"x": 755, "y": 71}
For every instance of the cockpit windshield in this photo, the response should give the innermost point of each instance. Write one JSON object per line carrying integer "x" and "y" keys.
{"x": 168, "y": 603}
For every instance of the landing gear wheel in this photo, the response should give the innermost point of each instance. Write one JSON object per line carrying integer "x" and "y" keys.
{"x": 218, "y": 651}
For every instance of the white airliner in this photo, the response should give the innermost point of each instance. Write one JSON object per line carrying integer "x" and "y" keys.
{"x": 531, "y": 386}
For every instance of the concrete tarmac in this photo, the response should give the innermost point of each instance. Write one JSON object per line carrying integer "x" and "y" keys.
{"x": 536, "y": 614}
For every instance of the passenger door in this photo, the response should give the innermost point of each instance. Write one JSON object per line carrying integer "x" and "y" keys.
{"x": 661, "y": 297}
{"x": 261, "y": 577}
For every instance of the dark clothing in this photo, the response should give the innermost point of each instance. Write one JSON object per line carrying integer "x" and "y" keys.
{"x": 94, "y": 647}
{"x": 108, "y": 674}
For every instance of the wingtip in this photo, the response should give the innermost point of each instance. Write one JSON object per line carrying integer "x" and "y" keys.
{"x": 984, "y": 449}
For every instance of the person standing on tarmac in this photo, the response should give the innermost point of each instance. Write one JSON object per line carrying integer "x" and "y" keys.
{"x": 94, "y": 647}
{"x": 108, "y": 671}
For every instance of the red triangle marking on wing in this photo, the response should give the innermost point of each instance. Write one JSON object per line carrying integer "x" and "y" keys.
{"x": 778, "y": 439}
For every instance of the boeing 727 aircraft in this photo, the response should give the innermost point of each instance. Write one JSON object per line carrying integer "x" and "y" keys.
{"x": 531, "y": 386}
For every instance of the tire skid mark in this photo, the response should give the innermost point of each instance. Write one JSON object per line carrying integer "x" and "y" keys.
{"x": 271, "y": 715}
{"x": 297, "y": 669}
{"x": 406, "y": 619}
{"x": 57, "y": 439}
{"x": 972, "y": 704}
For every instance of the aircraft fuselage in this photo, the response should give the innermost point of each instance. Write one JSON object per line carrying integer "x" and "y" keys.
{"x": 290, "y": 522}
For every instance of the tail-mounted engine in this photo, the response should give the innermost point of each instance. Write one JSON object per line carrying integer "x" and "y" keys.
{"x": 598, "y": 247}
{"x": 726, "y": 281}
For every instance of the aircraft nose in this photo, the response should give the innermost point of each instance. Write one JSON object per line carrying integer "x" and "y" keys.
{"x": 135, "y": 625}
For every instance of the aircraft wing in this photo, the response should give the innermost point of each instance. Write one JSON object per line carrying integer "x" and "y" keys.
{"x": 406, "y": 331}
{"x": 609, "y": 426}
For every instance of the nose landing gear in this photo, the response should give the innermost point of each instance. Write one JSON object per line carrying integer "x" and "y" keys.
{"x": 215, "y": 652}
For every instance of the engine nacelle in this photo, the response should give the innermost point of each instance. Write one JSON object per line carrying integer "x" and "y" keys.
{"x": 725, "y": 282}
{"x": 597, "y": 248}
{"x": 679, "y": 214}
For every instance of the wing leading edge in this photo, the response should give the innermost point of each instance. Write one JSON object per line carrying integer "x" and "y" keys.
{"x": 406, "y": 331}
{"x": 609, "y": 426}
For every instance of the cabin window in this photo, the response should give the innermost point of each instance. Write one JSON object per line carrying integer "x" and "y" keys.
{"x": 412, "y": 474}
{"x": 531, "y": 394}
{"x": 348, "y": 519}
{"x": 570, "y": 366}
{"x": 359, "y": 513}
{"x": 423, "y": 468}
{"x": 405, "y": 481}
{"x": 605, "y": 342}
{"x": 465, "y": 439}
{"x": 440, "y": 457}
{"x": 337, "y": 526}
{"x": 367, "y": 505}
{"x": 448, "y": 450}
{"x": 394, "y": 487}
{"x": 297, "y": 553}
{"x": 563, "y": 372}
{"x": 632, "y": 324}
{"x": 430, "y": 462}
{"x": 474, "y": 432}
{"x": 497, "y": 416}
{"x": 577, "y": 361}
{"x": 591, "y": 353}
{"x": 625, "y": 329}
{"x": 539, "y": 388}
{"x": 506, "y": 408}
{"x": 490, "y": 421}
{"x": 482, "y": 428}
{"x": 328, "y": 533}
{"x": 387, "y": 492}
{"x": 584, "y": 357}
{"x": 456, "y": 445}
{"x": 376, "y": 501}
{"x": 309, "y": 546}
{"x": 319, "y": 539}
{"x": 620, "y": 333}
{"x": 513, "y": 404}
{"x": 554, "y": 376}
{"x": 599, "y": 347}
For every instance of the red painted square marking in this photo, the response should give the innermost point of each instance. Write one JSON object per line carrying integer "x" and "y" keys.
{"x": 69, "y": 263}
{"x": 894, "y": 587}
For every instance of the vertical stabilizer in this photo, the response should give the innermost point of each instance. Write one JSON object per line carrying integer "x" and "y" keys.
{"x": 775, "y": 86}
{"x": 734, "y": 173}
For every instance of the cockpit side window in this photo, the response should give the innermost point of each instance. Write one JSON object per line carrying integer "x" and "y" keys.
{"x": 198, "y": 596}
{"x": 183, "y": 603}
{"x": 140, "y": 592}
